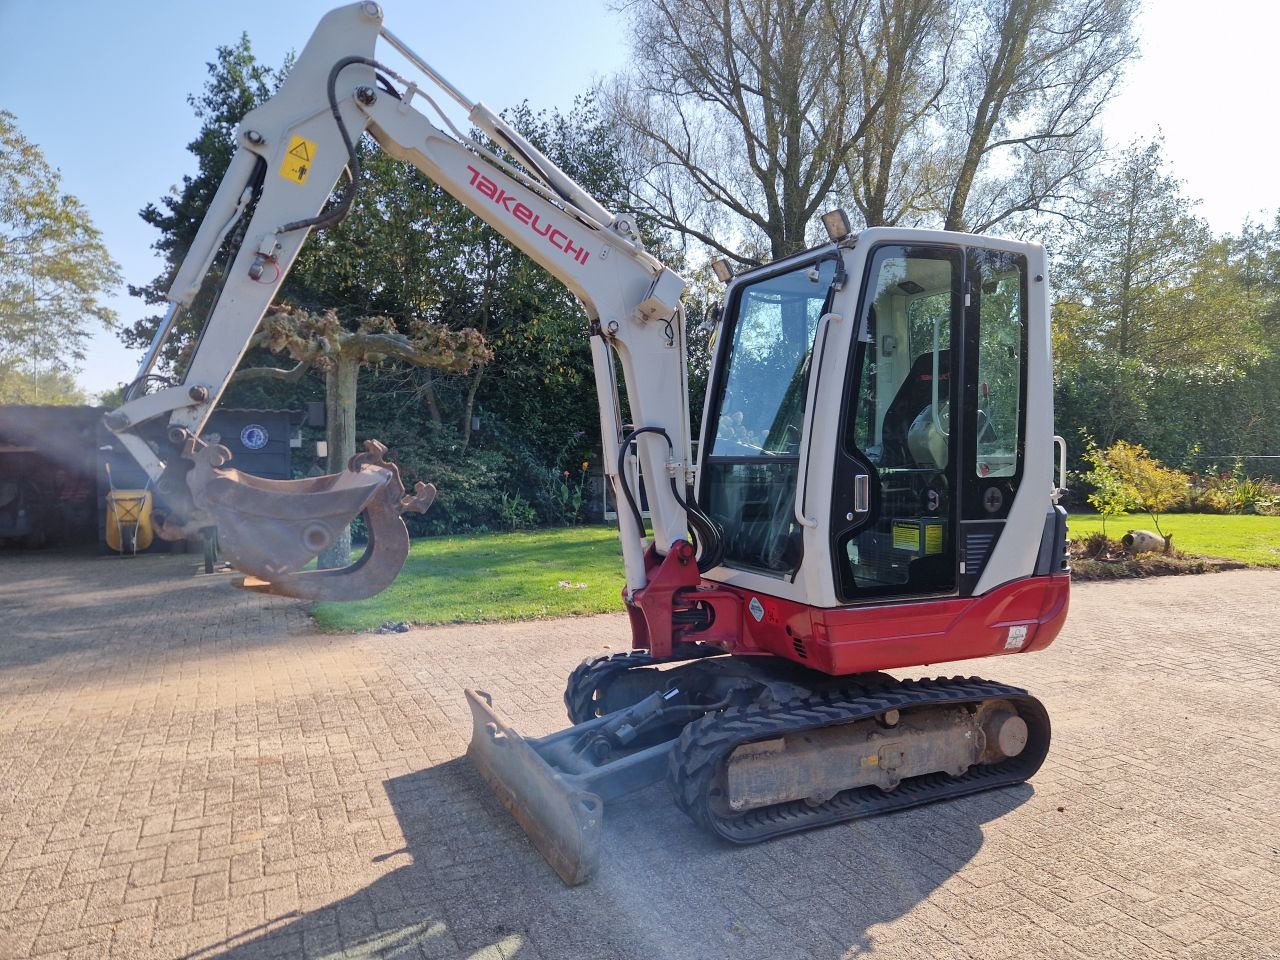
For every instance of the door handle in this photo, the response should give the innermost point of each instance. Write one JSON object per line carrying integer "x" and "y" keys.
{"x": 861, "y": 493}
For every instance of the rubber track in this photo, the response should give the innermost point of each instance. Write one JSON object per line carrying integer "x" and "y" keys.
{"x": 597, "y": 672}
{"x": 591, "y": 675}
{"x": 706, "y": 744}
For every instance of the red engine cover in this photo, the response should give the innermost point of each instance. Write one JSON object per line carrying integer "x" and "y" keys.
{"x": 1017, "y": 617}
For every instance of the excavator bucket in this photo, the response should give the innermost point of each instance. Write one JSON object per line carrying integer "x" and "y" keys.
{"x": 271, "y": 529}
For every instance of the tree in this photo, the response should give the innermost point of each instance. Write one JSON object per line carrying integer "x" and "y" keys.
{"x": 1125, "y": 477}
{"x": 55, "y": 273}
{"x": 1142, "y": 278}
{"x": 321, "y": 342}
{"x": 1030, "y": 79}
{"x": 47, "y": 387}
{"x": 745, "y": 109}
{"x": 409, "y": 249}
{"x": 237, "y": 83}
{"x": 410, "y": 252}
{"x": 750, "y": 116}
{"x": 1256, "y": 255}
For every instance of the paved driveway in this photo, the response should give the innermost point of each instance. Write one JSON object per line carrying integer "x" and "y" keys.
{"x": 190, "y": 771}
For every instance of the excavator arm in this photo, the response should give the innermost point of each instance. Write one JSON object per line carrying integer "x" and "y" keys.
{"x": 291, "y": 152}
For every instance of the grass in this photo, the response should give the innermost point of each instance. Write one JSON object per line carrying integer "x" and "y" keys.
{"x": 485, "y": 578}
{"x": 489, "y": 577}
{"x": 1252, "y": 539}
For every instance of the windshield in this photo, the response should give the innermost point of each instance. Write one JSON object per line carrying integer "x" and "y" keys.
{"x": 750, "y": 475}
{"x": 762, "y": 404}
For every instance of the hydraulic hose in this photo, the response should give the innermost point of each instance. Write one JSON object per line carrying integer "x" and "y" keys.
{"x": 339, "y": 211}
{"x": 707, "y": 535}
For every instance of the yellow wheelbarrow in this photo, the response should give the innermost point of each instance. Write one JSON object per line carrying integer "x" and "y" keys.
{"x": 129, "y": 527}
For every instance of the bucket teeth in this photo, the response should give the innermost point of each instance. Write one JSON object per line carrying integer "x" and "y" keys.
{"x": 562, "y": 821}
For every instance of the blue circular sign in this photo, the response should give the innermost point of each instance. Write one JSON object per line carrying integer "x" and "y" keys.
{"x": 254, "y": 436}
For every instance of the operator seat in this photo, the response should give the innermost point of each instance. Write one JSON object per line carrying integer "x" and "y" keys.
{"x": 913, "y": 396}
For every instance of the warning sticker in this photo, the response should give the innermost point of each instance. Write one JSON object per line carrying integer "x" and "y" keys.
{"x": 297, "y": 159}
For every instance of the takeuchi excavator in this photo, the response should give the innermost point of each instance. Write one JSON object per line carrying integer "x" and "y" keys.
{"x": 874, "y": 486}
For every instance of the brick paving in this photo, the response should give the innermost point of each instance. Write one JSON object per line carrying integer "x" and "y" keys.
{"x": 187, "y": 771}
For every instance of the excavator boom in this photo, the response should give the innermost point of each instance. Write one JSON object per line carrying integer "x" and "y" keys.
{"x": 292, "y": 150}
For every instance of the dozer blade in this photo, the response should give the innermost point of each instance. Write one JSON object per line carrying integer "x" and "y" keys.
{"x": 562, "y": 821}
{"x": 270, "y": 529}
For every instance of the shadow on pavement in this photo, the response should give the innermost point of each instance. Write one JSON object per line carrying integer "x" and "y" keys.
{"x": 114, "y": 610}
{"x": 476, "y": 887}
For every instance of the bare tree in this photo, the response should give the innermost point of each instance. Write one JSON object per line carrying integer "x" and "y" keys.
{"x": 747, "y": 117}
{"x": 744, "y": 107}
{"x": 1031, "y": 78}
{"x": 897, "y": 171}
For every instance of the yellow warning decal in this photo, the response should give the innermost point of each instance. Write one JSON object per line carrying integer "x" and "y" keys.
{"x": 297, "y": 159}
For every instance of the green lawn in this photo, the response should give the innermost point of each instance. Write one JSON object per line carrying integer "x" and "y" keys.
{"x": 517, "y": 576}
{"x": 494, "y": 576}
{"x": 1252, "y": 539}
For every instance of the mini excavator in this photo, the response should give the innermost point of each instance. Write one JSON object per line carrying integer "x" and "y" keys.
{"x": 874, "y": 486}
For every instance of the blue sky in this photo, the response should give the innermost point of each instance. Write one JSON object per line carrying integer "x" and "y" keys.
{"x": 102, "y": 87}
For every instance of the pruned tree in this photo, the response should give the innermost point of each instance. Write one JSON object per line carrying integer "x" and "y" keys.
{"x": 748, "y": 117}
{"x": 409, "y": 251}
{"x": 55, "y": 275}
{"x": 320, "y": 342}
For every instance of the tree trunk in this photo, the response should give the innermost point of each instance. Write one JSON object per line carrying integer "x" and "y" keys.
{"x": 340, "y": 414}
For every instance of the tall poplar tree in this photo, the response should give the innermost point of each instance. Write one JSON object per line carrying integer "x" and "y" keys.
{"x": 55, "y": 274}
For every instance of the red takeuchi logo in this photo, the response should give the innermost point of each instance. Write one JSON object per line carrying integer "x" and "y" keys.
{"x": 508, "y": 202}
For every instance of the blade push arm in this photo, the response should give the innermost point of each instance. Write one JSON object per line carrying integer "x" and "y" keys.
{"x": 291, "y": 152}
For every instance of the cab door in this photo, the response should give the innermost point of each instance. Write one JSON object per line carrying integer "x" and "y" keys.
{"x": 931, "y": 438}
{"x": 896, "y": 492}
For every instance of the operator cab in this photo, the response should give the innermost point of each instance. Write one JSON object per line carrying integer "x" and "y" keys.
{"x": 865, "y": 424}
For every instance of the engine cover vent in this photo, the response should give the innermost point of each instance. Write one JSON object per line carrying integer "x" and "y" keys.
{"x": 977, "y": 548}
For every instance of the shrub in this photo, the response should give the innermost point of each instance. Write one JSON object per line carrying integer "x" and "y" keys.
{"x": 1110, "y": 497}
{"x": 1126, "y": 477}
{"x": 516, "y": 513}
{"x": 564, "y": 495}
{"x": 1233, "y": 492}
{"x": 471, "y": 480}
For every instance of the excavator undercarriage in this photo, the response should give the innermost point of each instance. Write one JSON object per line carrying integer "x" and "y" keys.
{"x": 752, "y": 748}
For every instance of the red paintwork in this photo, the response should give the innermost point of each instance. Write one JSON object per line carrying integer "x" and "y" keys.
{"x": 849, "y": 640}
{"x": 651, "y": 608}
{"x": 674, "y": 583}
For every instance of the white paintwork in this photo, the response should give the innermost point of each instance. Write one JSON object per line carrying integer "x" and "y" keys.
{"x": 1015, "y": 553}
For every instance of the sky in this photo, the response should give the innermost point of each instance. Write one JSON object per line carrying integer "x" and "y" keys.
{"x": 102, "y": 88}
